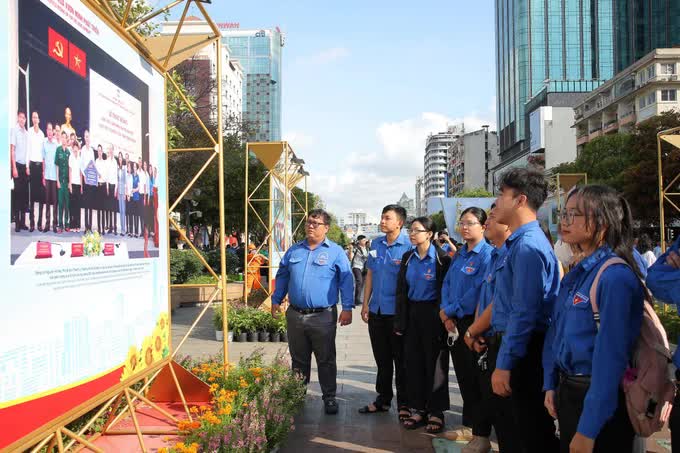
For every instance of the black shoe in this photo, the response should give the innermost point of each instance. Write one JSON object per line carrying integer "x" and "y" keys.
{"x": 24, "y": 227}
{"x": 31, "y": 230}
{"x": 17, "y": 229}
{"x": 330, "y": 406}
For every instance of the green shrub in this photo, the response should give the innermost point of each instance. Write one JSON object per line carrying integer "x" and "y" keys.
{"x": 213, "y": 258}
{"x": 670, "y": 321}
{"x": 184, "y": 264}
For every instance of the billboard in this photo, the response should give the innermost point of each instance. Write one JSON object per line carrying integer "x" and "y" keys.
{"x": 84, "y": 213}
{"x": 281, "y": 223}
{"x": 537, "y": 120}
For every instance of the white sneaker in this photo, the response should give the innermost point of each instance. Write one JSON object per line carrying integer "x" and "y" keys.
{"x": 477, "y": 445}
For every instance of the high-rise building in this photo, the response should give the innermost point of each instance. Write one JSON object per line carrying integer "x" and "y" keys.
{"x": 407, "y": 203}
{"x": 355, "y": 218}
{"x": 419, "y": 196}
{"x": 436, "y": 159}
{"x": 470, "y": 157}
{"x": 259, "y": 53}
{"x": 642, "y": 26}
{"x": 201, "y": 72}
{"x": 549, "y": 53}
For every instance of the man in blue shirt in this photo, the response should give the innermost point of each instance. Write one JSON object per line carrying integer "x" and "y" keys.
{"x": 312, "y": 273}
{"x": 379, "y": 307}
{"x": 527, "y": 283}
{"x": 663, "y": 280}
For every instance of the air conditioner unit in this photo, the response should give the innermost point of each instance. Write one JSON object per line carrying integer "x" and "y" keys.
{"x": 674, "y": 77}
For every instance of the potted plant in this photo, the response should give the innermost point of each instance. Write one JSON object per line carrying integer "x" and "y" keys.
{"x": 282, "y": 328}
{"x": 217, "y": 322}
{"x": 262, "y": 325}
{"x": 274, "y": 334}
{"x": 236, "y": 324}
{"x": 250, "y": 324}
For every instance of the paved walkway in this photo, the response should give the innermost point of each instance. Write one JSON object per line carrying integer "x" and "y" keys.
{"x": 348, "y": 430}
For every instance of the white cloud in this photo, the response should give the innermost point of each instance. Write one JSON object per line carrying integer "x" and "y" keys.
{"x": 369, "y": 179}
{"x": 298, "y": 140}
{"x": 325, "y": 56}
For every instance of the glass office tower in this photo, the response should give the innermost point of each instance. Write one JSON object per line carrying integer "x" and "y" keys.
{"x": 644, "y": 25}
{"x": 259, "y": 52}
{"x": 563, "y": 46}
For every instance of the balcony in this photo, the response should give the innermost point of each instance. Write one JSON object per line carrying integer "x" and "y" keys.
{"x": 595, "y": 132}
{"x": 611, "y": 126}
{"x": 627, "y": 118}
{"x": 582, "y": 139}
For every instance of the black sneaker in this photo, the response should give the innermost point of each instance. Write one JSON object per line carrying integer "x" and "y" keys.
{"x": 330, "y": 406}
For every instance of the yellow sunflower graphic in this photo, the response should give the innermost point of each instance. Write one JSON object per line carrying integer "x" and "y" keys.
{"x": 147, "y": 352}
{"x": 132, "y": 363}
{"x": 163, "y": 323}
{"x": 159, "y": 343}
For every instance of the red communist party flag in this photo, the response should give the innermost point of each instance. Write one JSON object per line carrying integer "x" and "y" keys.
{"x": 77, "y": 60}
{"x": 58, "y": 46}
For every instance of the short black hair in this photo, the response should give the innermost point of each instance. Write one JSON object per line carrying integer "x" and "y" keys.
{"x": 21, "y": 112}
{"x": 479, "y": 213}
{"x": 427, "y": 223}
{"x": 528, "y": 182}
{"x": 320, "y": 213}
{"x": 400, "y": 211}
{"x": 443, "y": 232}
{"x": 360, "y": 237}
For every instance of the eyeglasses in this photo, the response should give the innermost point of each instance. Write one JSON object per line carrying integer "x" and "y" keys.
{"x": 468, "y": 224}
{"x": 568, "y": 217}
{"x": 311, "y": 224}
{"x": 414, "y": 231}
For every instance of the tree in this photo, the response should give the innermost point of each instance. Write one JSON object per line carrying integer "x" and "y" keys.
{"x": 475, "y": 192}
{"x": 336, "y": 234}
{"x": 604, "y": 159}
{"x": 439, "y": 220}
{"x": 640, "y": 186}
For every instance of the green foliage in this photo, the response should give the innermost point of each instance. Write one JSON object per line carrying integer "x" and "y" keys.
{"x": 184, "y": 265}
{"x": 139, "y": 9}
{"x": 604, "y": 159}
{"x": 213, "y": 258}
{"x": 439, "y": 220}
{"x": 476, "y": 192}
{"x": 670, "y": 320}
{"x": 202, "y": 279}
{"x": 252, "y": 409}
{"x": 217, "y": 317}
{"x": 641, "y": 177}
{"x": 176, "y": 107}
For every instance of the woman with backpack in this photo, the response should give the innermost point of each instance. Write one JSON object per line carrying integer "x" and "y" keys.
{"x": 419, "y": 284}
{"x": 585, "y": 357}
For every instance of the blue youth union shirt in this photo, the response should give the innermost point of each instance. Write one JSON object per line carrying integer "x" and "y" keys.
{"x": 527, "y": 282}
{"x": 489, "y": 283}
{"x": 460, "y": 291}
{"x": 574, "y": 345}
{"x": 313, "y": 278}
{"x": 384, "y": 261}
{"x": 664, "y": 282}
{"x": 421, "y": 275}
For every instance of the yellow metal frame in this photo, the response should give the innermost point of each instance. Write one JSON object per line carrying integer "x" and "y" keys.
{"x": 671, "y": 136}
{"x": 561, "y": 183}
{"x": 282, "y": 165}
{"x": 51, "y": 433}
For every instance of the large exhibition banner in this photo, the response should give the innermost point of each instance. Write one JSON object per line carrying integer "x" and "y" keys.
{"x": 83, "y": 204}
{"x": 281, "y": 222}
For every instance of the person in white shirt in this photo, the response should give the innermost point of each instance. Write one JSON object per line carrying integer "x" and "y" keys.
{"x": 143, "y": 189}
{"x": 36, "y": 172}
{"x": 89, "y": 175}
{"x": 102, "y": 191}
{"x": 75, "y": 187}
{"x": 645, "y": 249}
{"x": 129, "y": 214}
{"x": 111, "y": 180}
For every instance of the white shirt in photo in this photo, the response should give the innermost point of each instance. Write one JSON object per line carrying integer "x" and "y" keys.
{"x": 35, "y": 145}
{"x": 143, "y": 182}
{"x": 128, "y": 184}
{"x": 102, "y": 168}
{"x": 86, "y": 155}
{"x": 74, "y": 167}
{"x": 112, "y": 173}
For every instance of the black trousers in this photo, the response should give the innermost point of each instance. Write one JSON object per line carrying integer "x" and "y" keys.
{"x": 75, "y": 205}
{"x": 467, "y": 374}
{"x": 388, "y": 351}
{"x": 674, "y": 423}
{"x": 37, "y": 193}
{"x": 20, "y": 196}
{"x": 616, "y": 435}
{"x": 534, "y": 427}
{"x": 496, "y": 409}
{"x": 129, "y": 215}
{"x": 358, "y": 286}
{"x": 314, "y": 333}
{"x": 112, "y": 205}
{"x": 101, "y": 206}
{"x": 426, "y": 359}
{"x": 90, "y": 195}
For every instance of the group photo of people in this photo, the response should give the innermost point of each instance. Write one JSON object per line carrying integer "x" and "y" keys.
{"x": 66, "y": 183}
{"x": 543, "y": 335}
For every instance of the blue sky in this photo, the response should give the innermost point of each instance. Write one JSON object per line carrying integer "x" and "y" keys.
{"x": 365, "y": 82}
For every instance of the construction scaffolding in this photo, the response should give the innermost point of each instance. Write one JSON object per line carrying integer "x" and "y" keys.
{"x": 672, "y": 189}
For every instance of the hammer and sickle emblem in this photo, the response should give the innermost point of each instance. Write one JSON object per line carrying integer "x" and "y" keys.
{"x": 58, "y": 49}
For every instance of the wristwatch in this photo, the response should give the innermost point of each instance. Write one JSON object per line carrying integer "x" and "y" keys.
{"x": 467, "y": 334}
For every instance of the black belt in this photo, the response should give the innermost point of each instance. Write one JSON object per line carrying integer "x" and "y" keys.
{"x": 494, "y": 339}
{"x": 423, "y": 301}
{"x": 309, "y": 311}
{"x": 576, "y": 379}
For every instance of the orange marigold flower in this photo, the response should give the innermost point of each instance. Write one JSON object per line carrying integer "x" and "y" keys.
{"x": 203, "y": 408}
{"x": 193, "y": 410}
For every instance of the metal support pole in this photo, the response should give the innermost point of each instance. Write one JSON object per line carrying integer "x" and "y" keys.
{"x": 662, "y": 220}
{"x": 223, "y": 256}
{"x": 245, "y": 227}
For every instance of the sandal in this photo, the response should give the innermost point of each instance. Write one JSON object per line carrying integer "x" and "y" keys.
{"x": 376, "y": 408}
{"x": 414, "y": 423}
{"x": 404, "y": 413}
{"x": 435, "y": 424}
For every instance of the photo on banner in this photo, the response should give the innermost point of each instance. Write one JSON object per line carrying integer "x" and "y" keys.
{"x": 84, "y": 209}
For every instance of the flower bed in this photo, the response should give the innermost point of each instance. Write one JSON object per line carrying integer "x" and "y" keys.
{"x": 252, "y": 408}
